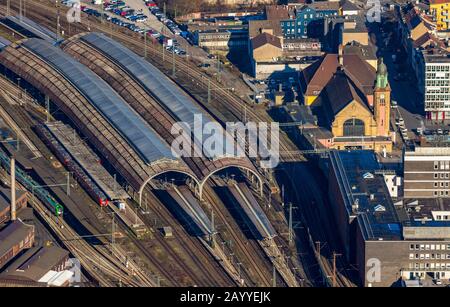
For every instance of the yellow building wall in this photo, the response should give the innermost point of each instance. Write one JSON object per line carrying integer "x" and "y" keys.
{"x": 360, "y": 37}
{"x": 266, "y": 53}
{"x": 309, "y": 100}
{"x": 418, "y": 31}
{"x": 354, "y": 110}
{"x": 441, "y": 12}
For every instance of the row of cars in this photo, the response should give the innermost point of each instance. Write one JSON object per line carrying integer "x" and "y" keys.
{"x": 173, "y": 27}
{"x": 174, "y": 46}
{"x": 117, "y": 21}
{"x": 118, "y": 7}
{"x": 171, "y": 45}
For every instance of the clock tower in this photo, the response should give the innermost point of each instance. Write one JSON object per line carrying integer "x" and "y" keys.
{"x": 382, "y": 101}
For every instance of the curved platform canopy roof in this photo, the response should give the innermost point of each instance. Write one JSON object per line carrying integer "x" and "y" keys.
{"x": 4, "y": 42}
{"x": 149, "y": 146}
{"x": 169, "y": 95}
{"x": 29, "y": 28}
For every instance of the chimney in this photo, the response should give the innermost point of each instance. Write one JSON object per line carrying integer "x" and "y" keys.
{"x": 341, "y": 55}
{"x": 13, "y": 189}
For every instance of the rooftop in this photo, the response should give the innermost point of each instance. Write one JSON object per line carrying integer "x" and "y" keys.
{"x": 428, "y": 151}
{"x": 277, "y": 12}
{"x": 436, "y": 57}
{"x": 12, "y": 234}
{"x": 422, "y": 209}
{"x": 173, "y": 99}
{"x": 255, "y": 27}
{"x": 349, "y": 6}
{"x": 5, "y": 197}
{"x": 366, "y": 195}
{"x": 4, "y": 42}
{"x": 149, "y": 145}
{"x": 264, "y": 39}
{"x": 31, "y": 28}
{"x": 318, "y": 75}
{"x": 34, "y": 267}
{"x": 325, "y": 5}
{"x": 364, "y": 52}
{"x": 299, "y": 114}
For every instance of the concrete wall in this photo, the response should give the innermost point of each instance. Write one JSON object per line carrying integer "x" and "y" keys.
{"x": 264, "y": 70}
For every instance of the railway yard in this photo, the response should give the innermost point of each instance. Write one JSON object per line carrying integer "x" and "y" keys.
{"x": 90, "y": 107}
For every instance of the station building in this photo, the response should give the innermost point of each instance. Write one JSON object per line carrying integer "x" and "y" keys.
{"x": 351, "y": 99}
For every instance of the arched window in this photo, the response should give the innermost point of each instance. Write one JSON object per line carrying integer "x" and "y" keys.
{"x": 354, "y": 127}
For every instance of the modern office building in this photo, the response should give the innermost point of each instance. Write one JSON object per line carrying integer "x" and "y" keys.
{"x": 427, "y": 172}
{"x": 437, "y": 85}
{"x": 386, "y": 242}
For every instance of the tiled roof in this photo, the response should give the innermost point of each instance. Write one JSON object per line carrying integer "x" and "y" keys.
{"x": 439, "y": 1}
{"x": 256, "y": 26}
{"x": 277, "y": 12}
{"x": 41, "y": 261}
{"x": 361, "y": 73}
{"x": 340, "y": 91}
{"x": 349, "y": 6}
{"x": 264, "y": 39}
{"x": 12, "y": 235}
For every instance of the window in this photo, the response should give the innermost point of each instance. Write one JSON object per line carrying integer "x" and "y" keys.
{"x": 411, "y": 256}
{"x": 354, "y": 127}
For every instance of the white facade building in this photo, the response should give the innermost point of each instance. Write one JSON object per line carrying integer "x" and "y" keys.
{"x": 437, "y": 87}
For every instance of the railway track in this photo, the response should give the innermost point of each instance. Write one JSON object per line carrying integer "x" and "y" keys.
{"x": 251, "y": 253}
{"x": 110, "y": 139}
{"x": 233, "y": 103}
{"x": 71, "y": 235}
{"x": 207, "y": 272}
{"x": 96, "y": 61}
{"x": 96, "y": 260}
{"x": 265, "y": 280}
